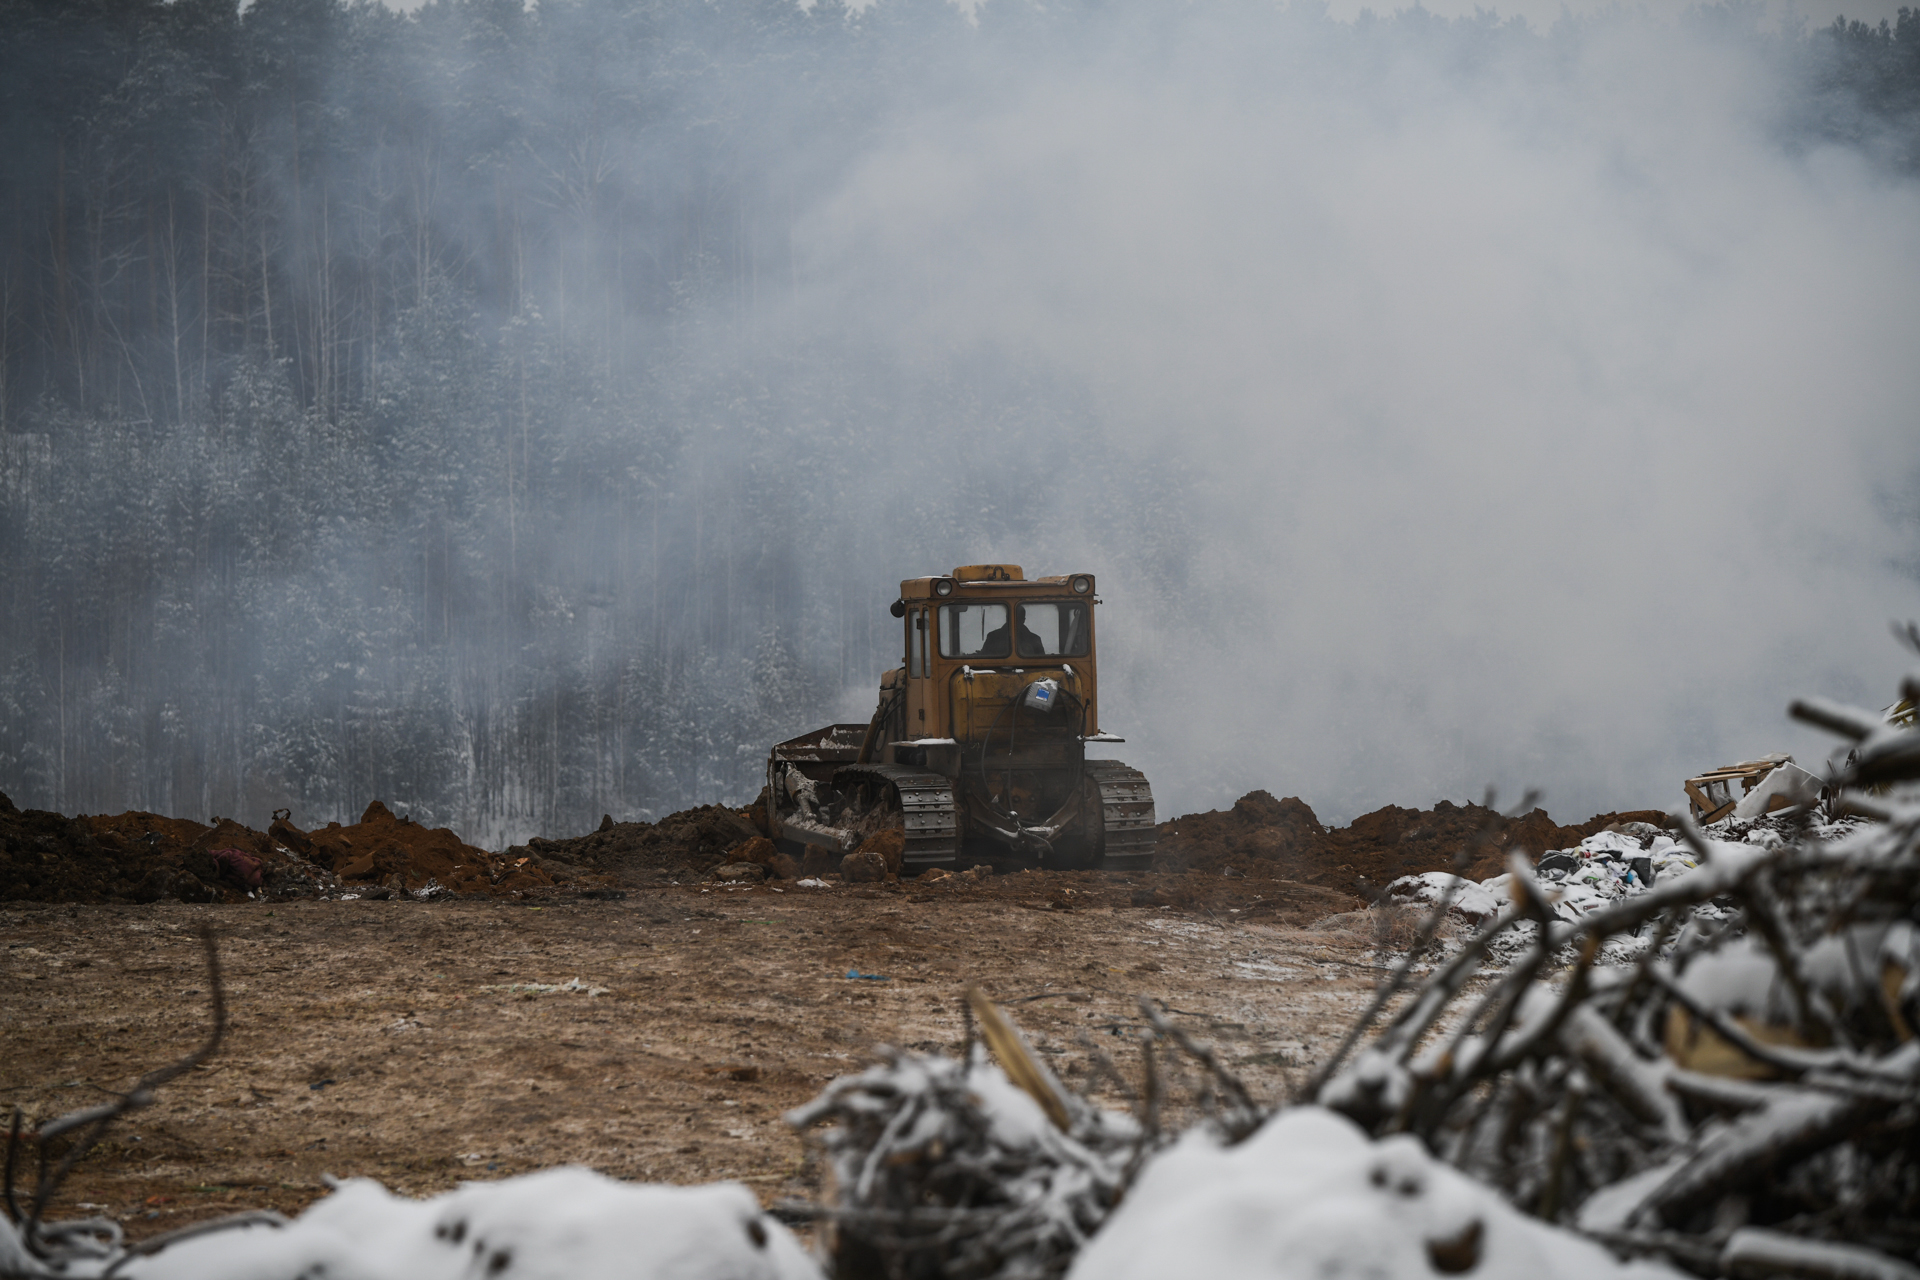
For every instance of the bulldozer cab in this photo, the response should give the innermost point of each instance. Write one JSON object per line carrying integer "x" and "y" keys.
{"x": 989, "y": 653}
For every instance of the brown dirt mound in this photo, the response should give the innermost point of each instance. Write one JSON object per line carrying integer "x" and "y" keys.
{"x": 138, "y": 828}
{"x": 138, "y": 857}
{"x": 400, "y": 855}
{"x": 144, "y": 857}
{"x": 682, "y": 846}
{"x": 1262, "y": 836}
{"x": 48, "y": 857}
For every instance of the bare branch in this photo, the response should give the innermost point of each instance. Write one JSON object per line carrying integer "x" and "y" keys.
{"x": 147, "y": 1248}
{"x": 1756, "y": 1252}
{"x": 1835, "y": 718}
{"x": 1250, "y": 1114}
{"x": 97, "y": 1120}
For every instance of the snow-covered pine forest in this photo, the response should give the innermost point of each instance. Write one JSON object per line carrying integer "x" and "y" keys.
{"x": 418, "y": 405}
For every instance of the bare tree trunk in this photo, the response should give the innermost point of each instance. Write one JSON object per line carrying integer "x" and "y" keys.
{"x": 266, "y": 286}
{"x": 6, "y": 342}
{"x": 295, "y": 249}
{"x": 57, "y": 234}
{"x": 171, "y": 266}
{"x": 325, "y": 393}
{"x": 60, "y": 781}
{"x": 206, "y": 282}
{"x": 424, "y": 184}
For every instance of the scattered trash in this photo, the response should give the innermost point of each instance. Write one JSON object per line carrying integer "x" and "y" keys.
{"x": 1767, "y": 785}
{"x": 237, "y": 864}
{"x": 855, "y": 974}
{"x": 1628, "y": 859}
{"x": 812, "y": 882}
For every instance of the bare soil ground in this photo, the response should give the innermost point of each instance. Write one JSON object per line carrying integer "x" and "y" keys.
{"x": 411, "y": 1042}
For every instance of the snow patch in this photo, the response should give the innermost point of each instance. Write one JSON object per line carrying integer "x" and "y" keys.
{"x": 559, "y": 1224}
{"x": 1472, "y": 902}
{"x": 1310, "y": 1196}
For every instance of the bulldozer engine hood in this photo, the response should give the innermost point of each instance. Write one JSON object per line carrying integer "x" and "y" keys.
{"x": 992, "y": 701}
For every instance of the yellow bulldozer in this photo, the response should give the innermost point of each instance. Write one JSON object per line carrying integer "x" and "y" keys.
{"x": 978, "y": 747}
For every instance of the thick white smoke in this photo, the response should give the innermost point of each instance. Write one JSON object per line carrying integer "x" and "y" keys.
{"x": 1541, "y": 413}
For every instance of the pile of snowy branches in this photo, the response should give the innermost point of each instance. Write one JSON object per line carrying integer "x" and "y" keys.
{"x": 1743, "y": 1099}
{"x": 944, "y": 1169}
{"x": 962, "y": 1170}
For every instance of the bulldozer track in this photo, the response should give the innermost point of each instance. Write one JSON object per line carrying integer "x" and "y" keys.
{"x": 927, "y": 810}
{"x": 930, "y": 814}
{"x": 1126, "y": 803}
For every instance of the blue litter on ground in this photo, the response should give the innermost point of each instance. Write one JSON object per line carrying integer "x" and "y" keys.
{"x": 867, "y": 977}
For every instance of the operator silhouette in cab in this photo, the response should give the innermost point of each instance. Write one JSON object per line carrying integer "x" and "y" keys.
{"x": 995, "y": 644}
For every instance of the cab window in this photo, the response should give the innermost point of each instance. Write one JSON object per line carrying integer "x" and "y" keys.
{"x": 974, "y": 631}
{"x": 916, "y": 643}
{"x": 1052, "y": 631}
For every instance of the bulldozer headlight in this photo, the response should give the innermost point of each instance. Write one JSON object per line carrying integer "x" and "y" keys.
{"x": 1083, "y": 584}
{"x": 944, "y": 587}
